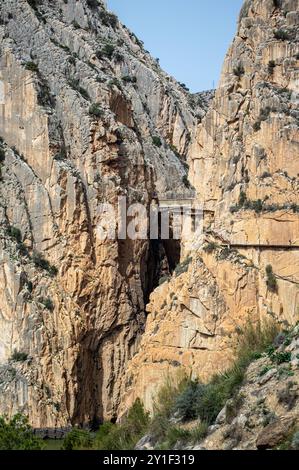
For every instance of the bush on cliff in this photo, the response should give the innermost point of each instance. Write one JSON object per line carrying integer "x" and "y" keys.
{"x": 16, "y": 434}
{"x": 124, "y": 436}
{"x": 77, "y": 439}
{"x": 205, "y": 401}
{"x": 40, "y": 262}
{"x": 271, "y": 279}
{"x": 2, "y": 155}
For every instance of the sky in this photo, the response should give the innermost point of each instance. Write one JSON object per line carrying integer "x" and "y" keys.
{"x": 190, "y": 37}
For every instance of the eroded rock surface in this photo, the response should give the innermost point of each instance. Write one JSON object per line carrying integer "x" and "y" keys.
{"x": 86, "y": 116}
{"x": 245, "y": 170}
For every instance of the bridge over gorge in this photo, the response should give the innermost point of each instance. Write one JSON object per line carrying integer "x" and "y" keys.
{"x": 171, "y": 199}
{"x": 177, "y": 202}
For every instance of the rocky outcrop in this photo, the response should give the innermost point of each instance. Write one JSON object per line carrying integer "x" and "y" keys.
{"x": 86, "y": 116}
{"x": 245, "y": 170}
{"x": 264, "y": 413}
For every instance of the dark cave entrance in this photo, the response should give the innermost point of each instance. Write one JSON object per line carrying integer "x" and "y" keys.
{"x": 162, "y": 258}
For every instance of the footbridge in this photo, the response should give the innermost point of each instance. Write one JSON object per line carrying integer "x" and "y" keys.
{"x": 172, "y": 200}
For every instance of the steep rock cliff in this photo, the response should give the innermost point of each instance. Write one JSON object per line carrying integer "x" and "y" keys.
{"x": 86, "y": 116}
{"x": 245, "y": 166}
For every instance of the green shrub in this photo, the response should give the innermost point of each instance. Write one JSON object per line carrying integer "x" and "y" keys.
{"x": 61, "y": 155}
{"x": 281, "y": 34}
{"x": 15, "y": 233}
{"x": 245, "y": 204}
{"x": 157, "y": 141}
{"x": 183, "y": 85}
{"x": 34, "y": 3}
{"x": 242, "y": 199}
{"x": 107, "y": 51}
{"x": 280, "y": 357}
{"x": 186, "y": 403}
{"x": 263, "y": 116}
{"x": 123, "y": 436}
{"x": 239, "y": 70}
{"x": 72, "y": 60}
{"x": 2, "y": 155}
{"x": 167, "y": 395}
{"x": 277, "y": 3}
{"x": 224, "y": 386}
{"x": 266, "y": 174}
{"x": 77, "y": 439}
{"x": 265, "y": 370}
{"x": 76, "y": 25}
{"x": 105, "y": 436}
{"x": 186, "y": 182}
{"x": 92, "y": 3}
{"x": 163, "y": 279}
{"x": 31, "y": 66}
{"x": 19, "y": 356}
{"x": 129, "y": 79}
{"x": 114, "y": 82}
{"x": 96, "y": 110}
{"x": 271, "y": 66}
{"x": 256, "y": 126}
{"x": 175, "y": 435}
{"x": 16, "y": 434}
{"x": 118, "y": 56}
{"x": 199, "y": 432}
{"x": 40, "y": 262}
{"x": 47, "y": 303}
{"x": 210, "y": 247}
{"x": 234, "y": 209}
{"x": 108, "y": 19}
{"x": 271, "y": 279}
{"x": 232, "y": 407}
{"x": 183, "y": 266}
{"x": 205, "y": 401}
{"x": 74, "y": 84}
{"x": 257, "y": 205}
{"x": 29, "y": 285}
{"x": 110, "y": 436}
{"x": 224, "y": 253}
{"x": 295, "y": 441}
{"x": 218, "y": 391}
{"x": 164, "y": 405}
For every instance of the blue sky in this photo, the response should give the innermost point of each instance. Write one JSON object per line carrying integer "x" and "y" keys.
{"x": 190, "y": 37}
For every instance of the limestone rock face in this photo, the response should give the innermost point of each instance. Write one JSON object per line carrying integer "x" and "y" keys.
{"x": 263, "y": 414}
{"x": 86, "y": 116}
{"x": 245, "y": 167}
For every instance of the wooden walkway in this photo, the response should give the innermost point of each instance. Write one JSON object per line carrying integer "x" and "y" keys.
{"x": 262, "y": 247}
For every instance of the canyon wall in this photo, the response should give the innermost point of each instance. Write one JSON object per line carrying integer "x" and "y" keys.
{"x": 86, "y": 116}
{"x": 245, "y": 168}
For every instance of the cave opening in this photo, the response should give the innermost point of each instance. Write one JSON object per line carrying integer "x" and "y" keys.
{"x": 162, "y": 259}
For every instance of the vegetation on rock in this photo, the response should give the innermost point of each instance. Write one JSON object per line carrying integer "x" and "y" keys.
{"x": 16, "y": 434}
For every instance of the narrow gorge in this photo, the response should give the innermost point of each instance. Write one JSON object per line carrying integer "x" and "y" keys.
{"x": 87, "y": 116}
